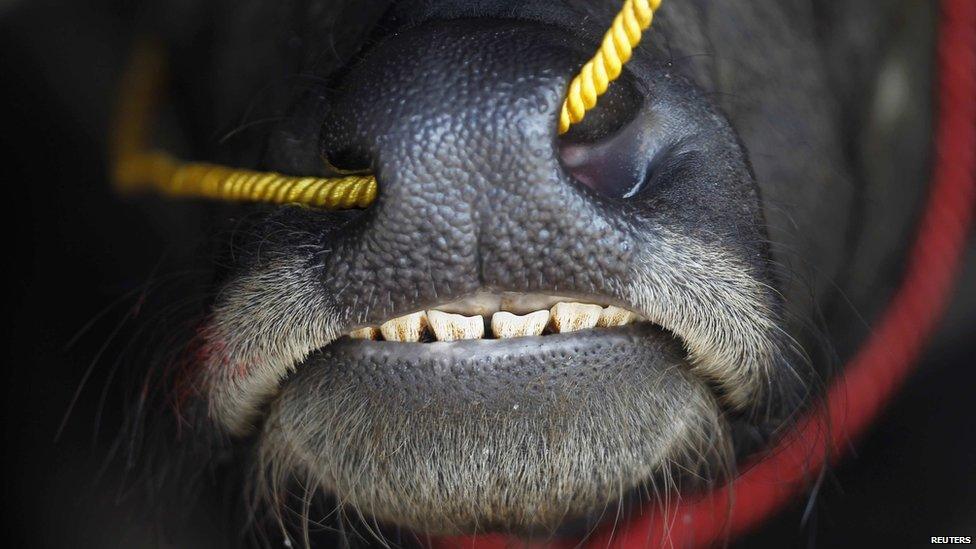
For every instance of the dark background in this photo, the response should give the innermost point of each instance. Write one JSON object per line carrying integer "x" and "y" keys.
{"x": 84, "y": 268}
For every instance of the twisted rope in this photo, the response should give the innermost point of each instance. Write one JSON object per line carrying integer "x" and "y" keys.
{"x": 168, "y": 176}
{"x": 606, "y": 65}
{"x": 138, "y": 169}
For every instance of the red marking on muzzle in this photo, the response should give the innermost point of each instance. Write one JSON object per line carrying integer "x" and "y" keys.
{"x": 204, "y": 362}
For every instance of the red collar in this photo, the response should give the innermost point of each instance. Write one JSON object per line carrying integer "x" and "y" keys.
{"x": 880, "y": 366}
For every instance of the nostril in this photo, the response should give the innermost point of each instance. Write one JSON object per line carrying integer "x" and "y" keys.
{"x": 340, "y": 151}
{"x": 345, "y": 161}
{"x": 618, "y": 166}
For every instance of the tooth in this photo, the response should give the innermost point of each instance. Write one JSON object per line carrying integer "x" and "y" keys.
{"x": 570, "y": 317}
{"x": 451, "y": 327}
{"x": 369, "y": 332}
{"x": 615, "y": 316}
{"x": 505, "y": 324}
{"x": 405, "y": 328}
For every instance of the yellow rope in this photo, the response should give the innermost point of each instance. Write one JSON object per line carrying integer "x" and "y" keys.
{"x": 168, "y": 176}
{"x": 137, "y": 168}
{"x": 616, "y": 49}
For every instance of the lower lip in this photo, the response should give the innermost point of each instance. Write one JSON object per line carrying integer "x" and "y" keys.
{"x": 483, "y": 366}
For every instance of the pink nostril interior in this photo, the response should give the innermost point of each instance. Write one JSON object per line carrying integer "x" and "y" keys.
{"x": 616, "y": 166}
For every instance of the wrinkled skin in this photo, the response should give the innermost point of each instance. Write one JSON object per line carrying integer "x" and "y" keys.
{"x": 732, "y": 240}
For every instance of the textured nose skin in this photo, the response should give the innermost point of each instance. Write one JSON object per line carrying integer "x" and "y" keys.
{"x": 458, "y": 120}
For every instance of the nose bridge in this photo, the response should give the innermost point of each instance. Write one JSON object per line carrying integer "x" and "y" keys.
{"x": 464, "y": 150}
{"x": 468, "y": 114}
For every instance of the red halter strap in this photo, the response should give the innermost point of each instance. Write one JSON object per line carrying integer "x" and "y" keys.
{"x": 880, "y": 366}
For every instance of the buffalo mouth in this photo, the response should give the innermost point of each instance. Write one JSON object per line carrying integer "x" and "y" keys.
{"x": 497, "y": 347}
{"x": 502, "y": 411}
{"x": 493, "y": 409}
{"x": 509, "y": 341}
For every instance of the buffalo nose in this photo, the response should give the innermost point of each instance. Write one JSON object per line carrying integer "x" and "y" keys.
{"x": 458, "y": 121}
